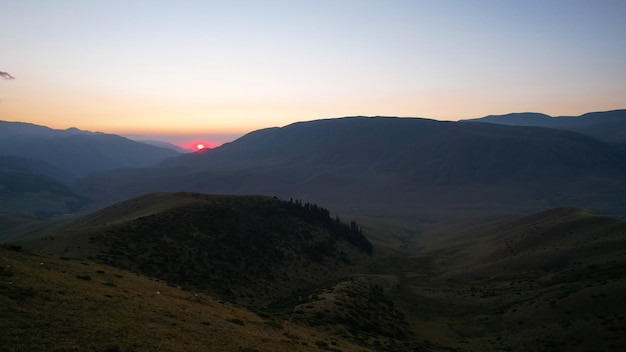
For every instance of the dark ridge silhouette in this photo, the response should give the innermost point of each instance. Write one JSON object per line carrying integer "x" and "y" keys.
{"x": 391, "y": 164}
{"x": 75, "y": 151}
{"x": 609, "y": 126}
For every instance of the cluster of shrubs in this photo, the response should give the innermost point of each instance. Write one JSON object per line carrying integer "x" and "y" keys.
{"x": 352, "y": 232}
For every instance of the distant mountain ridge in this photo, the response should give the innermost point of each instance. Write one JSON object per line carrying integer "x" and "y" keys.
{"x": 75, "y": 151}
{"x": 609, "y": 126}
{"x": 357, "y": 163}
{"x": 25, "y": 128}
{"x": 393, "y": 164}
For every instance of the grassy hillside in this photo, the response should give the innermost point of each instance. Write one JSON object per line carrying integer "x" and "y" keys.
{"x": 51, "y": 303}
{"x": 15, "y": 226}
{"x": 554, "y": 281}
{"x": 247, "y": 249}
{"x": 284, "y": 259}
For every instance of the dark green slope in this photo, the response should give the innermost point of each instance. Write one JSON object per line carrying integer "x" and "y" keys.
{"x": 248, "y": 249}
{"x": 552, "y": 281}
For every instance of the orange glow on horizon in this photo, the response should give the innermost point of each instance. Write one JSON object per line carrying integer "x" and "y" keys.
{"x": 199, "y": 145}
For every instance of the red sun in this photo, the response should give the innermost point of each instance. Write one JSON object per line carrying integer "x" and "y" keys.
{"x": 200, "y": 146}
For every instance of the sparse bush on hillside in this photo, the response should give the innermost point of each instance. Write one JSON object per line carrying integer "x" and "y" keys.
{"x": 274, "y": 324}
{"x": 322, "y": 345}
{"x": 15, "y": 247}
{"x": 6, "y": 271}
{"x": 236, "y": 321}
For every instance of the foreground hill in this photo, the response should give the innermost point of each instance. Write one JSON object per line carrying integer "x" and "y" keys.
{"x": 389, "y": 165}
{"x": 609, "y": 126}
{"x": 246, "y": 249}
{"x": 287, "y": 259}
{"x": 49, "y": 303}
{"x": 77, "y": 152}
{"x": 552, "y": 281}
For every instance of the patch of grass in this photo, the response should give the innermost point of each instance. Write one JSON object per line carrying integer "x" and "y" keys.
{"x": 322, "y": 345}
{"x": 248, "y": 349}
{"x": 274, "y": 324}
{"x": 44, "y": 309}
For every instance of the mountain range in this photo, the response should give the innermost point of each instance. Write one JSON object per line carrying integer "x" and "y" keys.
{"x": 39, "y": 165}
{"x": 76, "y": 152}
{"x": 606, "y": 125}
{"x": 521, "y": 162}
{"x": 384, "y": 164}
{"x": 347, "y": 234}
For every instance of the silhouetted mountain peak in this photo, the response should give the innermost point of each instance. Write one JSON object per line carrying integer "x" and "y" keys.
{"x": 608, "y": 126}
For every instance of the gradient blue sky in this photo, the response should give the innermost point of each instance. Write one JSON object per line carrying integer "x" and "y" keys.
{"x": 230, "y": 67}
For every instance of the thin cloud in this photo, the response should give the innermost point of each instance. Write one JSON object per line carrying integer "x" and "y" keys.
{"x": 6, "y": 75}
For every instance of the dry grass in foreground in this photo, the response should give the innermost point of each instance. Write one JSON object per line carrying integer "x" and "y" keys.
{"x": 60, "y": 304}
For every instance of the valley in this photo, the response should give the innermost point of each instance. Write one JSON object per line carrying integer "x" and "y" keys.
{"x": 442, "y": 236}
{"x": 510, "y": 283}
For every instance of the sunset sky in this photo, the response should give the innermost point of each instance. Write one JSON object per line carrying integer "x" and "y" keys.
{"x": 229, "y": 67}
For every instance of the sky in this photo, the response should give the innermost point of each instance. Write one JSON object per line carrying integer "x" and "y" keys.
{"x": 220, "y": 69}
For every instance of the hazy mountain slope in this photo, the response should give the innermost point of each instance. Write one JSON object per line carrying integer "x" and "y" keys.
{"x": 31, "y": 166}
{"x": 77, "y": 152}
{"x": 33, "y": 187}
{"x": 608, "y": 126}
{"x": 164, "y": 145}
{"x": 394, "y": 163}
{"x": 248, "y": 249}
{"x": 561, "y": 239}
{"x": 17, "y": 225}
{"x": 551, "y": 281}
{"x": 49, "y": 303}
